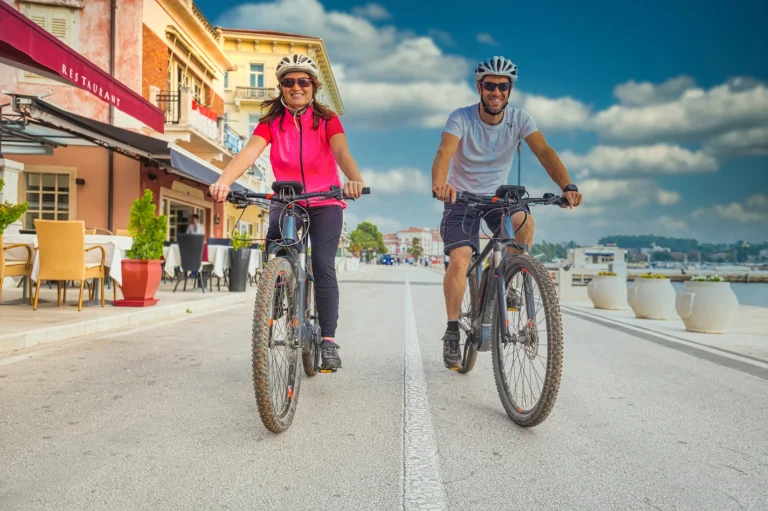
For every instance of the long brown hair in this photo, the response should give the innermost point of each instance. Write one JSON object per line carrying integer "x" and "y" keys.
{"x": 277, "y": 110}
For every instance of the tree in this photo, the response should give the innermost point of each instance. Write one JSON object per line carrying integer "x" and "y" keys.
{"x": 367, "y": 237}
{"x": 415, "y": 248}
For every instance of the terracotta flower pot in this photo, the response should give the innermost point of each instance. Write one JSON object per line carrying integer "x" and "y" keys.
{"x": 140, "y": 282}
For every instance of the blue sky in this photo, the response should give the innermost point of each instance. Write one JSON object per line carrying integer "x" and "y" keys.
{"x": 659, "y": 111}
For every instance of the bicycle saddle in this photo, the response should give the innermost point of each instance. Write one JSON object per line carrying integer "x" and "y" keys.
{"x": 295, "y": 186}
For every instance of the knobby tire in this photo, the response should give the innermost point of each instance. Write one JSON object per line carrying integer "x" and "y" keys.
{"x": 276, "y": 421}
{"x": 551, "y": 309}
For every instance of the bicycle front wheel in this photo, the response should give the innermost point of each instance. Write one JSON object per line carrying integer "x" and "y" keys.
{"x": 528, "y": 353}
{"x": 276, "y": 346}
{"x": 309, "y": 347}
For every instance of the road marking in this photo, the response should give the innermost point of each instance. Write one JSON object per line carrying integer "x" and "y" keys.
{"x": 743, "y": 363}
{"x": 422, "y": 481}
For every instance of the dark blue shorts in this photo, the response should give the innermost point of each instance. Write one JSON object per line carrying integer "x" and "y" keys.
{"x": 460, "y": 226}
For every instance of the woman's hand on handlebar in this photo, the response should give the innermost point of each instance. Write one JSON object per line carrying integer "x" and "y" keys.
{"x": 354, "y": 189}
{"x": 219, "y": 191}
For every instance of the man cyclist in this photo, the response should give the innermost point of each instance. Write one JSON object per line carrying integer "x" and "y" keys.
{"x": 477, "y": 146}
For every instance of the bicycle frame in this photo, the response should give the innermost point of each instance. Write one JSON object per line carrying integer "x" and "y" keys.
{"x": 481, "y": 323}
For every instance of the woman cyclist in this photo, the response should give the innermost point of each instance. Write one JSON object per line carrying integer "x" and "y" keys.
{"x": 307, "y": 142}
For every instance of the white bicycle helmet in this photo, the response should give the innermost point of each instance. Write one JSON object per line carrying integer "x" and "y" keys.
{"x": 496, "y": 66}
{"x": 297, "y": 62}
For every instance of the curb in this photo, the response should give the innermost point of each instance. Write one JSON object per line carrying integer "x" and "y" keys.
{"x": 139, "y": 317}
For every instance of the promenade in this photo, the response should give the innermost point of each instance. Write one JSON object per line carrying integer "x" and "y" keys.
{"x": 164, "y": 417}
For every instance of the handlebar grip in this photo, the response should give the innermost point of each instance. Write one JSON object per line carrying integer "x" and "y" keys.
{"x": 366, "y": 191}
{"x": 562, "y": 201}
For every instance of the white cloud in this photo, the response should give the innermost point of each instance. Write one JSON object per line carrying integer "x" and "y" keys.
{"x": 383, "y": 224}
{"x": 756, "y": 210}
{"x": 656, "y": 159}
{"x": 486, "y": 38}
{"x": 655, "y": 113}
{"x": 748, "y": 142}
{"x": 442, "y": 36}
{"x": 625, "y": 192}
{"x": 372, "y": 11}
{"x": 552, "y": 114}
{"x": 401, "y": 180}
{"x": 633, "y": 93}
{"x": 389, "y": 77}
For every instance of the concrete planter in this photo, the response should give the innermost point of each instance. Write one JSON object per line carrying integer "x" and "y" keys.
{"x": 607, "y": 292}
{"x": 707, "y": 307}
{"x": 652, "y": 298}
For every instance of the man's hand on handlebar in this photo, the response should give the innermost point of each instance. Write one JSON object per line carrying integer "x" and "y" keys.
{"x": 444, "y": 192}
{"x": 353, "y": 189}
{"x": 573, "y": 198}
{"x": 219, "y": 191}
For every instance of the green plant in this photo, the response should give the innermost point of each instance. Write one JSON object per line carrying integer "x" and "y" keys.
{"x": 9, "y": 213}
{"x": 652, "y": 276}
{"x": 148, "y": 231}
{"x": 607, "y": 274}
{"x": 710, "y": 278}
{"x": 240, "y": 240}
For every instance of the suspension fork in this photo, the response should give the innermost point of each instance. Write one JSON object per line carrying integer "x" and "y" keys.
{"x": 530, "y": 305}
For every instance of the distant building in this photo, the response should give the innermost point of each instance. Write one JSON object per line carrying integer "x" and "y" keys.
{"x": 595, "y": 257}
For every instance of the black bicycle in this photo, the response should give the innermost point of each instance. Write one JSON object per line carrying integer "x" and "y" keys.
{"x": 484, "y": 320}
{"x": 285, "y": 315}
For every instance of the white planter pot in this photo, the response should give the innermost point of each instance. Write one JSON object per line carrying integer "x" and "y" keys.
{"x": 607, "y": 292}
{"x": 707, "y": 307}
{"x": 652, "y": 298}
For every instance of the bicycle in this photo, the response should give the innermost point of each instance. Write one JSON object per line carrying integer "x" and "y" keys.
{"x": 484, "y": 322}
{"x": 285, "y": 292}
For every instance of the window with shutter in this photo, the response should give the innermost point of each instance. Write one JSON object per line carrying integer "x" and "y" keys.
{"x": 54, "y": 20}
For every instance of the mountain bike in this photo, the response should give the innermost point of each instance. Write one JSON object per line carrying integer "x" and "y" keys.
{"x": 484, "y": 323}
{"x": 285, "y": 298}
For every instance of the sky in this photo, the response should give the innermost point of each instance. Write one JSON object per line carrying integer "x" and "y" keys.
{"x": 659, "y": 111}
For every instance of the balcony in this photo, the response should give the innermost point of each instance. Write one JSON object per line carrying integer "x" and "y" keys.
{"x": 196, "y": 127}
{"x": 253, "y": 94}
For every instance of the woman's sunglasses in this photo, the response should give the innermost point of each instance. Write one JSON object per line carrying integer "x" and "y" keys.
{"x": 490, "y": 86}
{"x": 290, "y": 82}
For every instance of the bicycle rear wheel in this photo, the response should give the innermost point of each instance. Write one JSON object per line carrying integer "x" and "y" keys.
{"x": 527, "y": 395}
{"x": 309, "y": 347}
{"x": 468, "y": 312}
{"x": 276, "y": 346}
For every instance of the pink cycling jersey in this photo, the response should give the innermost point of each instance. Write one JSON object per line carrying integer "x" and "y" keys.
{"x": 300, "y": 153}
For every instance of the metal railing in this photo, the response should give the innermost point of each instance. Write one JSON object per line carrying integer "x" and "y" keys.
{"x": 255, "y": 93}
{"x": 170, "y": 104}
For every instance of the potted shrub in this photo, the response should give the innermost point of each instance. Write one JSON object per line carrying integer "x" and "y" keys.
{"x": 9, "y": 213}
{"x": 142, "y": 270}
{"x": 652, "y": 297}
{"x": 239, "y": 256}
{"x": 607, "y": 291}
{"x": 707, "y": 304}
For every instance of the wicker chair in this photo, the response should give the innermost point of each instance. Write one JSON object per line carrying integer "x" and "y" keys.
{"x": 16, "y": 268}
{"x": 63, "y": 257}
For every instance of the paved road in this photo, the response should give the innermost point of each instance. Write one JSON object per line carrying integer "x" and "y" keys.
{"x": 165, "y": 418}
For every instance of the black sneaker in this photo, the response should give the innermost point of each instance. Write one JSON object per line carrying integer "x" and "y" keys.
{"x": 329, "y": 352}
{"x": 451, "y": 350}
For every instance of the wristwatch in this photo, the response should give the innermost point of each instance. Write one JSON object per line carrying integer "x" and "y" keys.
{"x": 570, "y": 188}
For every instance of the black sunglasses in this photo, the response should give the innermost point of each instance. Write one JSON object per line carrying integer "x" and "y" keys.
{"x": 490, "y": 86}
{"x": 290, "y": 82}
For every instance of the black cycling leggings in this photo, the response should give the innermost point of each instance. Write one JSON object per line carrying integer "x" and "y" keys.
{"x": 325, "y": 223}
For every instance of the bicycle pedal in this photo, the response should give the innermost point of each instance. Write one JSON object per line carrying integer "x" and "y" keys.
{"x": 328, "y": 370}
{"x": 513, "y": 309}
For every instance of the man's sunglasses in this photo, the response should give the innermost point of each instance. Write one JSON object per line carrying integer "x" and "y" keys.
{"x": 290, "y": 82}
{"x": 490, "y": 86}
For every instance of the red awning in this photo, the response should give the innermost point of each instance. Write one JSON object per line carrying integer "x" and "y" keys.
{"x": 26, "y": 46}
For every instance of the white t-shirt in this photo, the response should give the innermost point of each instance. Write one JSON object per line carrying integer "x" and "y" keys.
{"x": 484, "y": 157}
{"x": 195, "y": 229}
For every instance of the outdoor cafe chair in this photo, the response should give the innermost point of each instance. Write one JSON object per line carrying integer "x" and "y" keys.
{"x": 61, "y": 245}
{"x": 12, "y": 268}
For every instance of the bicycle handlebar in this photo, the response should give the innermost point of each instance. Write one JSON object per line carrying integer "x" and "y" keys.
{"x": 334, "y": 192}
{"x": 468, "y": 198}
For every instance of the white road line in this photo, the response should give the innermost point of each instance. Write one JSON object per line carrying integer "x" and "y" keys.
{"x": 422, "y": 481}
